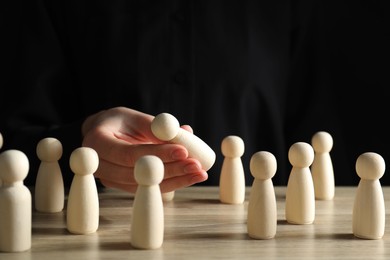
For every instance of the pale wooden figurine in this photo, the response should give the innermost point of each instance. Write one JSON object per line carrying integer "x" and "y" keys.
{"x": 300, "y": 197}
{"x": 167, "y": 128}
{"x": 1, "y": 140}
{"x": 15, "y": 203}
{"x": 262, "y": 211}
{"x": 368, "y": 217}
{"x": 49, "y": 185}
{"x": 322, "y": 167}
{"x": 232, "y": 177}
{"x": 83, "y": 201}
{"x": 147, "y": 221}
{"x": 168, "y": 196}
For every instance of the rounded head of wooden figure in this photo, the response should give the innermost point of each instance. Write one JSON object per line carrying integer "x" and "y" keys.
{"x": 149, "y": 170}
{"x": 165, "y": 126}
{"x": 370, "y": 166}
{"x": 322, "y": 142}
{"x": 84, "y": 161}
{"x": 263, "y": 165}
{"x": 14, "y": 166}
{"x": 232, "y": 146}
{"x": 301, "y": 154}
{"x": 49, "y": 149}
{"x": 1, "y": 140}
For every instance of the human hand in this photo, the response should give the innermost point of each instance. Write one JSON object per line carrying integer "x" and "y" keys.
{"x": 121, "y": 135}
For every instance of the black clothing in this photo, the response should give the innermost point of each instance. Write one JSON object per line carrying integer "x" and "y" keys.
{"x": 271, "y": 72}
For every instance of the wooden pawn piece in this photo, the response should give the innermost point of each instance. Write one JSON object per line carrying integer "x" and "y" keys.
{"x": 83, "y": 201}
{"x": 49, "y": 185}
{"x": 300, "y": 197}
{"x": 168, "y": 196}
{"x": 232, "y": 177}
{"x": 15, "y": 203}
{"x": 1, "y": 140}
{"x": 147, "y": 222}
{"x": 322, "y": 167}
{"x": 368, "y": 221}
{"x": 167, "y": 128}
{"x": 262, "y": 212}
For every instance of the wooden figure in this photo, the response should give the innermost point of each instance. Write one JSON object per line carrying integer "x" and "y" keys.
{"x": 262, "y": 212}
{"x": 15, "y": 203}
{"x": 168, "y": 196}
{"x": 322, "y": 167}
{"x": 232, "y": 178}
{"x": 300, "y": 197}
{"x": 49, "y": 185}
{"x": 167, "y": 128}
{"x": 147, "y": 222}
{"x": 368, "y": 217}
{"x": 82, "y": 216}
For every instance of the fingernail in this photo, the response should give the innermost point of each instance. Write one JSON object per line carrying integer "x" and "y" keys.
{"x": 199, "y": 178}
{"x": 190, "y": 168}
{"x": 179, "y": 154}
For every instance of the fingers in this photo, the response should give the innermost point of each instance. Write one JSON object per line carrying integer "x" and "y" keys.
{"x": 178, "y": 182}
{"x": 188, "y": 128}
{"x": 123, "y": 153}
{"x": 166, "y": 185}
{"x": 121, "y": 136}
{"x": 125, "y": 175}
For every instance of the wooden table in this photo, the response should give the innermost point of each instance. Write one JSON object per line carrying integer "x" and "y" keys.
{"x": 198, "y": 226}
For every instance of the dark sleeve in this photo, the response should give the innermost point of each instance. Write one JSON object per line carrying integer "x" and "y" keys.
{"x": 40, "y": 99}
